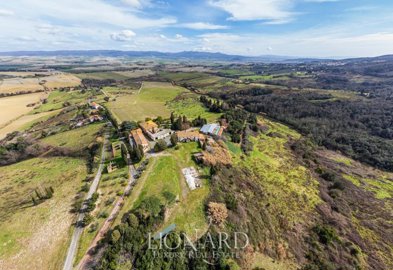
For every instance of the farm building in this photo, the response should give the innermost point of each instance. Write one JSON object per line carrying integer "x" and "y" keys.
{"x": 192, "y": 178}
{"x": 212, "y": 129}
{"x": 137, "y": 138}
{"x": 94, "y": 105}
{"x": 152, "y": 130}
{"x": 188, "y": 135}
{"x": 95, "y": 118}
{"x": 149, "y": 127}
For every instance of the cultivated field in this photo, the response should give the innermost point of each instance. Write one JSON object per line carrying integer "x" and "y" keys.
{"x": 23, "y": 122}
{"x": 13, "y": 82}
{"x": 15, "y": 106}
{"x": 149, "y": 102}
{"x": 36, "y": 237}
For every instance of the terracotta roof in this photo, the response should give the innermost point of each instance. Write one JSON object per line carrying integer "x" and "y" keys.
{"x": 149, "y": 125}
{"x": 184, "y": 134}
{"x": 138, "y": 137}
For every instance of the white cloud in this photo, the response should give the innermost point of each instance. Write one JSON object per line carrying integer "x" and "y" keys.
{"x": 137, "y": 3}
{"x": 203, "y": 26}
{"x": 94, "y": 13}
{"x": 25, "y": 38}
{"x": 322, "y": 1}
{"x": 5, "y": 12}
{"x": 125, "y": 35}
{"x": 48, "y": 29}
{"x": 278, "y": 10}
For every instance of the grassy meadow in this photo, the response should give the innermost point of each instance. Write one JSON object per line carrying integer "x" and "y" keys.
{"x": 164, "y": 174}
{"x": 76, "y": 138}
{"x": 190, "y": 106}
{"x": 149, "y": 102}
{"x": 57, "y": 98}
{"x": 36, "y": 237}
{"x": 293, "y": 189}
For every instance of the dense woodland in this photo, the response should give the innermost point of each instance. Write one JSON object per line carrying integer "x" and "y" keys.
{"x": 361, "y": 128}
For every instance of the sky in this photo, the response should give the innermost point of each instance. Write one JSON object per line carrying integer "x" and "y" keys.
{"x": 301, "y": 28}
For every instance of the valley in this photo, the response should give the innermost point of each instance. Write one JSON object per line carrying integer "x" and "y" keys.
{"x": 282, "y": 152}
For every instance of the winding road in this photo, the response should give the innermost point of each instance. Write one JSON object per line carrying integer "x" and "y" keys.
{"x": 73, "y": 248}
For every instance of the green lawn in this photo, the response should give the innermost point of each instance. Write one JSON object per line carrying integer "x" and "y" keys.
{"x": 40, "y": 233}
{"x": 150, "y": 102}
{"x": 165, "y": 176}
{"x": 76, "y": 138}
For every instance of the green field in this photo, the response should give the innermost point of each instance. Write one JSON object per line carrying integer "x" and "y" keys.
{"x": 180, "y": 76}
{"x": 76, "y": 138}
{"x": 149, "y": 102}
{"x": 192, "y": 108}
{"x": 164, "y": 174}
{"x": 36, "y": 237}
{"x": 101, "y": 75}
{"x": 57, "y": 98}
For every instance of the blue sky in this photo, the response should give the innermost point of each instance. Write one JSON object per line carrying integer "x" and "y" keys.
{"x": 313, "y": 28}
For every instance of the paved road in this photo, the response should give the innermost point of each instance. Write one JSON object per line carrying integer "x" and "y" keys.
{"x": 108, "y": 222}
{"x": 68, "y": 264}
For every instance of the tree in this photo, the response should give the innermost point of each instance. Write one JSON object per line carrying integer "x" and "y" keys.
{"x": 172, "y": 118}
{"x": 87, "y": 220}
{"x": 139, "y": 153}
{"x": 174, "y": 139}
{"x": 160, "y": 145}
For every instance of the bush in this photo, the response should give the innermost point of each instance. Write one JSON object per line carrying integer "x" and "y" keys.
{"x": 170, "y": 197}
{"x": 160, "y": 145}
{"x": 103, "y": 214}
{"x": 326, "y": 234}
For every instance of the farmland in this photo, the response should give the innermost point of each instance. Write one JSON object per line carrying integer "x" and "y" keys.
{"x": 56, "y": 100}
{"x": 149, "y": 102}
{"x": 15, "y": 106}
{"x": 14, "y": 82}
{"x": 23, "y": 122}
{"x": 35, "y": 237}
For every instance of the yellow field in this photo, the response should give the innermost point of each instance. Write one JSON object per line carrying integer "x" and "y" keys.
{"x": 15, "y": 106}
{"x": 21, "y": 122}
{"x": 149, "y": 102}
{"x": 25, "y": 81}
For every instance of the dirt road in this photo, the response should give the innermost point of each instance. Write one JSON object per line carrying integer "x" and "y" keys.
{"x": 73, "y": 248}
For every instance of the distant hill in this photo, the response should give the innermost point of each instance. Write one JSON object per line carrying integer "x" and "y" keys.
{"x": 186, "y": 55}
{"x": 191, "y": 55}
